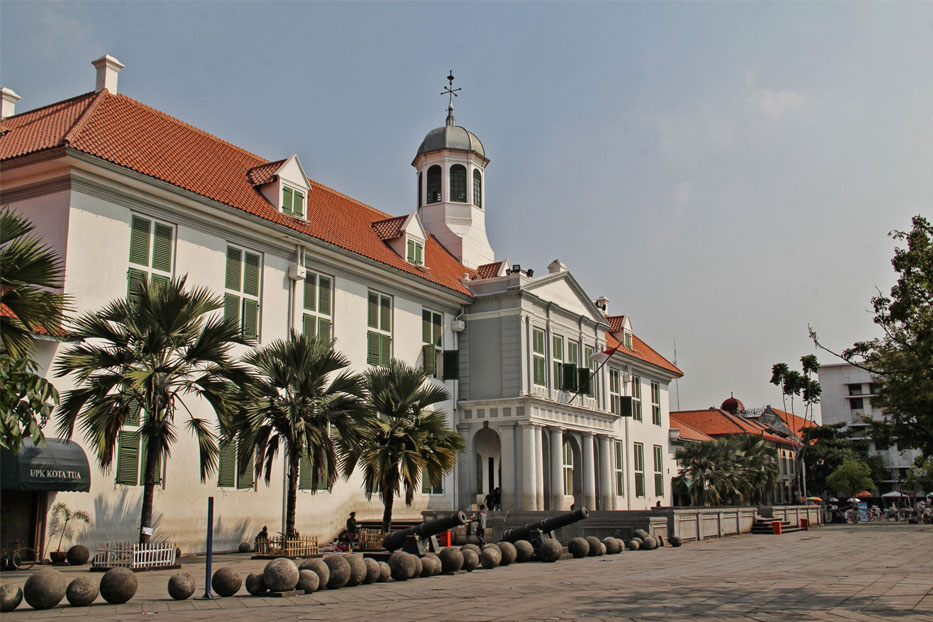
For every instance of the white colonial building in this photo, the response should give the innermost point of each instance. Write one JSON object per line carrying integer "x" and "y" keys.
{"x": 124, "y": 192}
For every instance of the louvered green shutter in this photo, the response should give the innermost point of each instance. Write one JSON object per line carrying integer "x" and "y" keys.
{"x": 426, "y": 326}
{"x": 142, "y": 464}
{"x": 132, "y": 415}
{"x": 309, "y": 325}
{"x": 158, "y": 279}
{"x": 298, "y": 204}
{"x": 128, "y": 458}
{"x": 234, "y": 269}
{"x": 569, "y": 377}
{"x": 451, "y": 364}
{"x": 251, "y": 275}
{"x": 310, "y": 293}
{"x": 625, "y": 406}
{"x": 232, "y": 308}
{"x": 373, "y": 311}
{"x": 135, "y": 278}
{"x": 419, "y": 259}
{"x": 583, "y": 379}
{"x": 245, "y": 479}
{"x": 438, "y": 332}
{"x": 286, "y": 200}
{"x": 429, "y": 353}
{"x": 304, "y": 474}
{"x": 250, "y": 319}
{"x": 323, "y": 328}
{"x": 385, "y": 349}
{"x": 162, "y": 248}
{"x": 324, "y": 296}
{"x": 385, "y": 313}
{"x": 139, "y": 241}
{"x": 372, "y": 348}
{"x": 226, "y": 468}
{"x": 410, "y": 256}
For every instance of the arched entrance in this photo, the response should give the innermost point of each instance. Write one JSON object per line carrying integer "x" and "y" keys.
{"x": 487, "y": 446}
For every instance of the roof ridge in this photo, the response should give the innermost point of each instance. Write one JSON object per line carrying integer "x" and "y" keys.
{"x": 390, "y": 218}
{"x": 83, "y": 118}
{"x": 58, "y": 103}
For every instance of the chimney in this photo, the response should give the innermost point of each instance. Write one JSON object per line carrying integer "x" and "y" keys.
{"x": 107, "y": 69}
{"x": 603, "y": 303}
{"x": 8, "y": 106}
{"x": 556, "y": 266}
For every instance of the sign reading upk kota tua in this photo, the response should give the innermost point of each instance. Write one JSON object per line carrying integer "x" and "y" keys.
{"x": 58, "y": 465}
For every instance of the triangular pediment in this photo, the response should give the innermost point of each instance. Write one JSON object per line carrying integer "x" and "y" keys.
{"x": 563, "y": 290}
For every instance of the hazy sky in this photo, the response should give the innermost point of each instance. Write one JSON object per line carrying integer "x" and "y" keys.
{"x": 726, "y": 173}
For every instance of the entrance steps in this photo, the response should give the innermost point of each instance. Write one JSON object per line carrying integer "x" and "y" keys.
{"x": 764, "y": 526}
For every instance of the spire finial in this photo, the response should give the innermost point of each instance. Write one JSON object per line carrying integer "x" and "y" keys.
{"x": 451, "y": 92}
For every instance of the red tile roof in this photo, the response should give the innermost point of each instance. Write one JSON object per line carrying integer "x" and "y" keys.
{"x": 715, "y": 422}
{"x": 128, "y": 133}
{"x": 688, "y": 432}
{"x": 795, "y": 423}
{"x": 640, "y": 350}
{"x": 264, "y": 173}
{"x": 615, "y": 322}
{"x": 489, "y": 270}
{"x": 390, "y": 228}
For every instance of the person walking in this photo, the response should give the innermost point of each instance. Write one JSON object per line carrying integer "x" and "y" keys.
{"x": 481, "y": 524}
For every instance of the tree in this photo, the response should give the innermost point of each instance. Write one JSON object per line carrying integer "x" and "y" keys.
{"x": 920, "y": 475}
{"x": 24, "y": 394}
{"x": 851, "y": 477}
{"x": 756, "y": 470}
{"x": 404, "y": 439}
{"x": 140, "y": 358}
{"x": 29, "y": 271}
{"x": 302, "y": 400}
{"x": 828, "y": 446}
{"x": 61, "y": 516}
{"x": 901, "y": 359}
{"x": 727, "y": 469}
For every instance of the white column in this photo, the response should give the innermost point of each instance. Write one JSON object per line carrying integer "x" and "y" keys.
{"x": 539, "y": 468}
{"x": 589, "y": 472}
{"x": 466, "y": 470}
{"x": 605, "y": 473}
{"x": 529, "y": 468}
{"x": 557, "y": 469}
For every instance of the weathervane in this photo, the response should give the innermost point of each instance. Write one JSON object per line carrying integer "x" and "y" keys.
{"x": 450, "y": 90}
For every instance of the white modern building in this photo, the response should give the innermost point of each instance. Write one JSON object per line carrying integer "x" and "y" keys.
{"x": 124, "y": 192}
{"x": 847, "y": 398}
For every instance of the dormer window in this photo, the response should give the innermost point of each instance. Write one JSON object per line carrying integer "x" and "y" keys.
{"x": 628, "y": 339}
{"x": 293, "y": 202}
{"x": 415, "y": 253}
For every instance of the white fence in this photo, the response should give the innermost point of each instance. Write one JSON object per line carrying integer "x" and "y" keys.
{"x": 134, "y": 555}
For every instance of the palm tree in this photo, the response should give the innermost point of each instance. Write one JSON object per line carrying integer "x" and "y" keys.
{"x": 404, "y": 439}
{"x": 145, "y": 355}
{"x": 295, "y": 403}
{"x": 728, "y": 469}
{"x": 29, "y": 269}
{"x": 756, "y": 467}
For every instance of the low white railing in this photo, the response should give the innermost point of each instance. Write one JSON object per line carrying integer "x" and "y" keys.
{"x": 134, "y": 555}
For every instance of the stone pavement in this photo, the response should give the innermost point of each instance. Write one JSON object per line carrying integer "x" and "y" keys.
{"x": 850, "y": 572}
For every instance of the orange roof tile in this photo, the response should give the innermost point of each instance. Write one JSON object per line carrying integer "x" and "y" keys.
{"x": 642, "y": 351}
{"x": 264, "y": 173}
{"x": 795, "y": 423}
{"x": 715, "y": 422}
{"x": 688, "y": 432}
{"x": 615, "y": 323}
{"x": 128, "y": 133}
{"x": 390, "y": 228}
{"x": 489, "y": 270}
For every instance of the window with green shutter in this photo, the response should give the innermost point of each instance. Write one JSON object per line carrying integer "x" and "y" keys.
{"x": 432, "y": 338}
{"x": 306, "y": 476}
{"x": 229, "y": 474}
{"x": 293, "y": 201}
{"x": 538, "y": 358}
{"x": 636, "y": 398}
{"x": 615, "y": 390}
{"x": 379, "y": 323}
{"x": 639, "y": 455}
{"x": 317, "y": 318}
{"x": 451, "y": 362}
{"x": 619, "y": 469}
{"x": 655, "y": 403}
{"x": 658, "y": 471}
{"x": 588, "y": 366}
{"x": 151, "y": 253}
{"x": 242, "y": 285}
{"x": 557, "y": 359}
{"x": 415, "y": 252}
{"x": 428, "y": 489}
{"x": 128, "y": 458}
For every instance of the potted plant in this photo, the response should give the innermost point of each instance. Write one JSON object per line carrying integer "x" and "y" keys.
{"x": 61, "y": 516}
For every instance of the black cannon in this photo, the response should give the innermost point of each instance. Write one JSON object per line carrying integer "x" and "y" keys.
{"x": 541, "y": 530}
{"x": 412, "y": 540}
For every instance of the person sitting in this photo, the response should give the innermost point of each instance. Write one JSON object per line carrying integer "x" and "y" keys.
{"x": 352, "y": 531}
{"x": 262, "y": 540}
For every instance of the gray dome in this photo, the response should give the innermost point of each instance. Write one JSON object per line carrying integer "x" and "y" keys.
{"x": 451, "y": 136}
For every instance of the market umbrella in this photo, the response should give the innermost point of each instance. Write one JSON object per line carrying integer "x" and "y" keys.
{"x": 817, "y": 499}
{"x": 853, "y": 500}
{"x": 864, "y": 493}
{"x": 833, "y": 500}
{"x": 892, "y": 494}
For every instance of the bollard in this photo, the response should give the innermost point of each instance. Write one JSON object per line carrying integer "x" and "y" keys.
{"x": 776, "y": 527}
{"x": 805, "y": 524}
{"x": 210, "y": 549}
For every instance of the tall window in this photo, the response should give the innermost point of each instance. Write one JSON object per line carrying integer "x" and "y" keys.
{"x": 306, "y": 479}
{"x": 589, "y": 365}
{"x": 639, "y": 450}
{"x": 151, "y": 244}
{"x": 557, "y": 356}
{"x": 379, "y": 336}
{"x": 420, "y": 187}
{"x": 317, "y": 318}
{"x": 458, "y": 185}
{"x": 241, "y": 293}
{"x": 477, "y": 188}
{"x": 432, "y": 338}
{"x": 131, "y": 451}
{"x": 228, "y": 472}
{"x": 293, "y": 201}
{"x": 636, "y": 398}
{"x": 655, "y": 403}
{"x": 658, "y": 471}
{"x": 415, "y": 252}
{"x": 619, "y": 469}
{"x": 434, "y": 184}
{"x": 568, "y": 468}
{"x": 540, "y": 364}
{"x": 615, "y": 390}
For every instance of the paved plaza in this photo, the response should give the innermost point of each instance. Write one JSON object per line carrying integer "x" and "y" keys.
{"x": 853, "y": 572}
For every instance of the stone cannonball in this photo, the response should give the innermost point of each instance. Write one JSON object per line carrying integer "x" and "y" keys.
{"x": 524, "y": 551}
{"x": 451, "y": 559}
{"x": 611, "y": 544}
{"x": 634, "y": 544}
{"x": 77, "y": 555}
{"x": 280, "y": 575}
{"x": 438, "y": 567}
{"x": 45, "y": 589}
{"x": 372, "y": 570}
{"x": 357, "y": 569}
{"x": 308, "y": 581}
{"x": 550, "y": 551}
{"x": 470, "y": 560}
{"x": 82, "y": 591}
{"x": 675, "y": 541}
{"x": 385, "y": 572}
{"x": 226, "y": 581}
{"x": 578, "y": 547}
{"x": 256, "y": 583}
{"x": 339, "y": 571}
{"x": 10, "y": 597}
{"x": 491, "y": 557}
{"x": 649, "y": 544}
{"x": 638, "y": 540}
{"x": 621, "y": 544}
{"x": 403, "y": 566}
{"x": 473, "y": 547}
{"x": 509, "y": 553}
{"x": 319, "y": 567}
{"x": 244, "y": 547}
{"x": 641, "y": 533}
{"x": 427, "y": 567}
{"x": 181, "y": 586}
{"x": 118, "y": 585}
{"x": 596, "y": 548}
